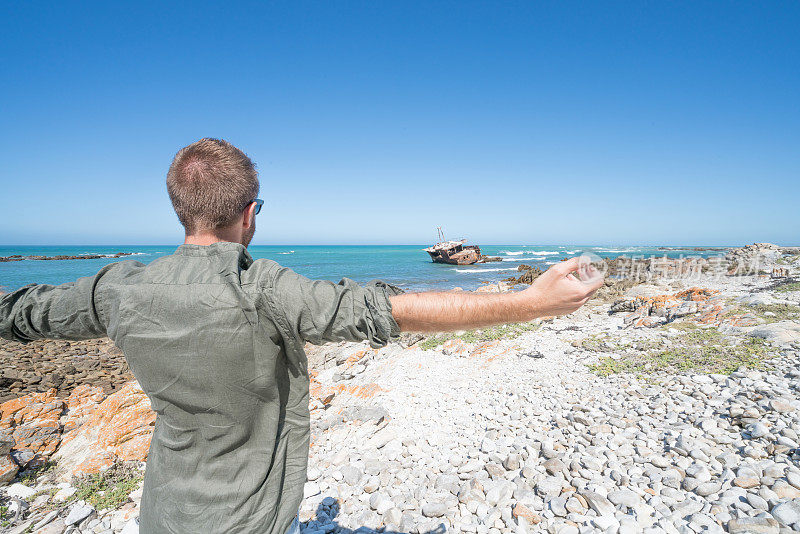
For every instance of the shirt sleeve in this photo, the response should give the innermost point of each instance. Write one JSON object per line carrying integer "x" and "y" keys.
{"x": 70, "y": 311}
{"x": 317, "y": 311}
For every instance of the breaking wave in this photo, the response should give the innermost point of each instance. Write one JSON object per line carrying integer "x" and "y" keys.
{"x": 531, "y": 252}
{"x": 479, "y": 270}
{"x": 113, "y": 255}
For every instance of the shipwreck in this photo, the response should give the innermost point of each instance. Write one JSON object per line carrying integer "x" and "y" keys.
{"x": 456, "y": 252}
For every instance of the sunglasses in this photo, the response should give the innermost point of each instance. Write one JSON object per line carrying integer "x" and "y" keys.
{"x": 259, "y": 203}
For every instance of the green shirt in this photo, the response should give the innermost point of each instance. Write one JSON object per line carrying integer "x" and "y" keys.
{"x": 216, "y": 341}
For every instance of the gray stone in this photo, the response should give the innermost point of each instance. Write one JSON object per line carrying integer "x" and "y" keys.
{"x": 495, "y": 471}
{"x": 488, "y": 446}
{"x": 659, "y": 461}
{"x": 549, "y": 486}
{"x": 753, "y": 525}
{"x": 707, "y": 488}
{"x": 781, "y": 333}
{"x": 381, "y": 438}
{"x": 624, "y": 497}
{"x": 78, "y": 513}
{"x": 131, "y": 527}
{"x": 511, "y": 463}
{"x": 787, "y": 513}
{"x": 558, "y": 506}
{"x": 757, "y": 502}
{"x": 352, "y": 475}
{"x": 310, "y": 489}
{"x": 699, "y": 472}
{"x": 598, "y": 503}
{"x": 21, "y": 491}
{"x": 555, "y": 466}
{"x": 393, "y": 516}
{"x": 434, "y": 509}
{"x": 376, "y": 499}
{"x": 56, "y": 526}
{"x": 757, "y": 430}
{"x": 20, "y": 457}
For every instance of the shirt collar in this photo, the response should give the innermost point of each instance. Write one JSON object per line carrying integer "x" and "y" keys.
{"x": 216, "y": 249}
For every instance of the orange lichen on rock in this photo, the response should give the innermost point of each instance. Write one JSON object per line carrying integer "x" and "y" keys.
{"x": 646, "y": 322}
{"x": 455, "y": 347}
{"x": 489, "y": 350}
{"x": 82, "y": 402}
{"x": 366, "y": 391}
{"x": 32, "y": 422}
{"x": 36, "y": 406}
{"x": 662, "y": 300}
{"x": 697, "y": 294}
{"x": 694, "y": 294}
{"x": 742, "y": 320}
{"x": 661, "y": 309}
{"x": 358, "y": 355}
{"x": 711, "y": 314}
{"x": 8, "y": 469}
{"x": 523, "y": 512}
{"x": 315, "y": 389}
{"x": 119, "y": 428}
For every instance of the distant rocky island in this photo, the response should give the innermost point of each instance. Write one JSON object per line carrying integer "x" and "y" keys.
{"x": 19, "y": 257}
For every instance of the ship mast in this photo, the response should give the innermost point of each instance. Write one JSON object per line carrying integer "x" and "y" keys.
{"x": 441, "y": 234}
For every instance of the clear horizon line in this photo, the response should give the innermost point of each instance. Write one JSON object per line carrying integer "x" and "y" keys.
{"x": 682, "y": 245}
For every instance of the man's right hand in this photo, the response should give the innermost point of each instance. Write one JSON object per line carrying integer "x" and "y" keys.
{"x": 558, "y": 292}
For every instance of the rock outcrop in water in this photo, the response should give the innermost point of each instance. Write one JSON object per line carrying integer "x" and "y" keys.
{"x": 529, "y": 274}
{"x": 19, "y": 257}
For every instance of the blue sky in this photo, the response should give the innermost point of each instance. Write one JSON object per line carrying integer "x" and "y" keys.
{"x": 375, "y": 122}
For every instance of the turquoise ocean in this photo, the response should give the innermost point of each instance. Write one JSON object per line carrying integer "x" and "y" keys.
{"x": 407, "y": 266}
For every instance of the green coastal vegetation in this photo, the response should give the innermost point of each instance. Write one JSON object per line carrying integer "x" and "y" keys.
{"x": 31, "y": 475}
{"x": 766, "y": 313}
{"x": 791, "y": 286}
{"x": 108, "y": 489}
{"x": 694, "y": 349}
{"x": 5, "y": 516}
{"x": 506, "y": 331}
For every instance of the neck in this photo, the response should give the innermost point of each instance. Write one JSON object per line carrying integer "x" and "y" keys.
{"x": 209, "y": 239}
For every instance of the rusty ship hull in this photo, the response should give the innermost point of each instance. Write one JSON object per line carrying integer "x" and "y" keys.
{"x": 454, "y": 253}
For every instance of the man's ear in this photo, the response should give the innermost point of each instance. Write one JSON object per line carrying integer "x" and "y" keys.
{"x": 249, "y": 216}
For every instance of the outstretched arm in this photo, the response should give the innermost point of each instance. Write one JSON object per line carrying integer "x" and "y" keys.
{"x": 67, "y": 311}
{"x": 555, "y": 292}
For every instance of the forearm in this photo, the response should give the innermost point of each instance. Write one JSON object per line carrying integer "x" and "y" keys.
{"x": 436, "y": 312}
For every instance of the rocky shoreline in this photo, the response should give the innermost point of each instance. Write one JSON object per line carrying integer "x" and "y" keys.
{"x": 670, "y": 403}
{"x": 41, "y": 365}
